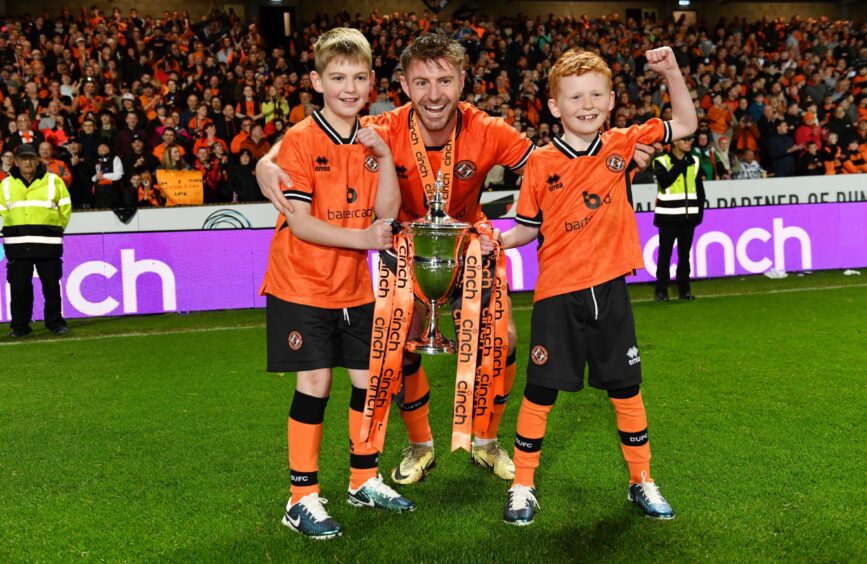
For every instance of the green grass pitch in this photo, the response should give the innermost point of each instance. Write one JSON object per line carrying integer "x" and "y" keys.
{"x": 162, "y": 438}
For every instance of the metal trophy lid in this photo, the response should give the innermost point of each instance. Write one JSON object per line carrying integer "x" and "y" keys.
{"x": 437, "y": 218}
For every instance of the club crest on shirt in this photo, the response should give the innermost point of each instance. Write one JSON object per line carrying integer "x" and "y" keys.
{"x": 616, "y": 163}
{"x": 465, "y": 170}
{"x": 371, "y": 164}
{"x": 295, "y": 341}
{"x": 539, "y": 355}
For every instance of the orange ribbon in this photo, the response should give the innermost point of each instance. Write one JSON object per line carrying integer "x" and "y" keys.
{"x": 467, "y": 331}
{"x": 391, "y": 318}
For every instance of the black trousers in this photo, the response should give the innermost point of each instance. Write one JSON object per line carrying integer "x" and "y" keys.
{"x": 19, "y": 274}
{"x": 668, "y": 234}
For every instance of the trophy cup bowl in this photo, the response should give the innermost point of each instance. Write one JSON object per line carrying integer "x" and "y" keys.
{"x": 438, "y": 246}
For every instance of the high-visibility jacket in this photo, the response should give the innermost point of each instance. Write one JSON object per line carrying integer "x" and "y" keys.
{"x": 34, "y": 215}
{"x": 680, "y": 196}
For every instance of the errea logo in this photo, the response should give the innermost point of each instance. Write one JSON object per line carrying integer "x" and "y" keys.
{"x": 632, "y": 354}
{"x": 554, "y": 182}
{"x": 321, "y": 164}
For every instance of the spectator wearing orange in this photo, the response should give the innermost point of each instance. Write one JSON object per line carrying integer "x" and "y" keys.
{"x": 58, "y": 167}
{"x": 88, "y": 101}
{"x": 304, "y": 108}
{"x": 197, "y": 122}
{"x": 720, "y": 118}
{"x": 207, "y": 138}
{"x": 170, "y": 139}
{"x": 854, "y": 161}
{"x": 149, "y": 101}
{"x": 746, "y": 135}
{"x": 832, "y": 155}
{"x": 149, "y": 195}
{"x": 24, "y": 133}
{"x": 242, "y": 136}
{"x": 7, "y": 161}
{"x": 256, "y": 143}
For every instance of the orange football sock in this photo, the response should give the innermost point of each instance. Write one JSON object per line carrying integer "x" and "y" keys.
{"x": 415, "y": 409}
{"x": 634, "y": 442}
{"x": 363, "y": 461}
{"x": 305, "y": 437}
{"x": 500, "y": 401}
{"x": 532, "y": 420}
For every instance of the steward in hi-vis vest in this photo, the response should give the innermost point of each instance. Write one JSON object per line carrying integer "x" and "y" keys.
{"x": 35, "y": 207}
{"x": 679, "y": 208}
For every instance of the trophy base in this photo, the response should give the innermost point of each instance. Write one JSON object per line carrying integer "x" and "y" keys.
{"x": 431, "y": 346}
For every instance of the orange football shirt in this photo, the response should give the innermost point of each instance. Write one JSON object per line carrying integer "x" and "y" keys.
{"x": 481, "y": 142}
{"x": 580, "y": 202}
{"x": 338, "y": 178}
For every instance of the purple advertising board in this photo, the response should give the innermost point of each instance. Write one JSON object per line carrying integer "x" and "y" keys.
{"x": 139, "y": 273}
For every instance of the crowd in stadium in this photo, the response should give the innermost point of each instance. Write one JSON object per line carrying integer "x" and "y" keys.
{"x": 111, "y": 98}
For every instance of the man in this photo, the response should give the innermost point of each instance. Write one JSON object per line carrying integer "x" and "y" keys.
{"x": 782, "y": 151}
{"x": 256, "y": 143}
{"x": 228, "y": 126}
{"x": 433, "y": 80}
{"x": 679, "y": 208}
{"x": 170, "y": 137}
{"x": 35, "y": 207}
{"x": 24, "y": 134}
{"x": 123, "y": 141}
{"x": 139, "y": 159}
{"x": 242, "y": 136}
{"x": 56, "y": 166}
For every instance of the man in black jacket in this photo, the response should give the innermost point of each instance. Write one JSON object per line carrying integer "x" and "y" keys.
{"x": 782, "y": 151}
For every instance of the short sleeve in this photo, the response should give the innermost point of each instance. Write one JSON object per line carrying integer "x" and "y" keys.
{"x": 529, "y": 212}
{"x": 296, "y": 163}
{"x": 513, "y": 148}
{"x": 652, "y": 131}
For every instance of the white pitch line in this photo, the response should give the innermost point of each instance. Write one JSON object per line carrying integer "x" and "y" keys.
{"x": 71, "y": 339}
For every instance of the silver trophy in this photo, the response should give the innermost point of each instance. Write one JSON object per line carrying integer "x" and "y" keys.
{"x": 438, "y": 243}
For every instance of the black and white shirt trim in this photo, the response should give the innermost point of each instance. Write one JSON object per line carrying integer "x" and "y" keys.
{"x": 520, "y": 164}
{"x": 569, "y": 151}
{"x": 298, "y": 195}
{"x": 534, "y": 222}
{"x": 332, "y": 133}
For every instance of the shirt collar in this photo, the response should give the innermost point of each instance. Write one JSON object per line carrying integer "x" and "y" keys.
{"x": 591, "y": 151}
{"x": 332, "y": 132}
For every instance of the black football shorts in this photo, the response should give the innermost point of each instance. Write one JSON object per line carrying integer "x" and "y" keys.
{"x": 303, "y": 337}
{"x": 594, "y": 327}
